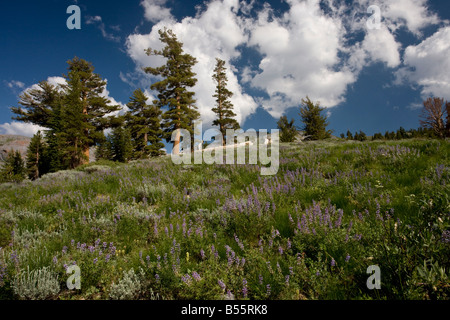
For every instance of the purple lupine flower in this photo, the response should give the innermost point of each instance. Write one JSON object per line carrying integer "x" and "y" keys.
{"x": 186, "y": 279}
{"x": 287, "y": 280}
{"x": 260, "y": 279}
{"x": 72, "y": 242}
{"x": 202, "y": 254}
{"x": 64, "y": 249}
{"x": 157, "y": 277}
{"x": 222, "y": 285}
{"x": 55, "y": 260}
{"x": 244, "y": 288}
{"x": 333, "y": 263}
{"x": 107, "y": 257}
{"x": 280, "y": 250}
{"x": 196, "y": 276}
{"x": 288, "y": 245}
{"x": 268, "y": 290}
{"x": 347, "y": 258}
{"x": 95, "y": 260}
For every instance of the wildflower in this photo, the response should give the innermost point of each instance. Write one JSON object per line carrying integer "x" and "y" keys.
{"x": 157, "y": 277}
{"x": 55, "y": 260}
{"x": 333, "y": 263}
{"x": 107, "y": 257}
{"x": 260, "y": 279}
{"x": 187, "y": 256}
{"x": 287, "y": 279}
{"x": 221, "y": 285}
{"x": 347, "y": 258}
{"x": 196, "y": 276}
{"x": 202, "y": 254}
{"x": 244, "y": 288}
{"x": 268, "y": 290}
{"x": 280, "y": 250}
{"x": 95, "y": 260}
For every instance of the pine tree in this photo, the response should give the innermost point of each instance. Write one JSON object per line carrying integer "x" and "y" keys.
{"x": 38, "y": 105}
{"x": 224, "y": 107}
{"x": 144, "y": 124}
{"x": 314, "y": 123}
{"x": 88, "y": 108}
{"x": 288, "y": 132}
{"x": 178, "y": 77}
{"x": 13, "y": 169}
{"x": 74, "y": 136}
{"x": 349, "y": 135}
{"x": 36, "y": 161}
{"x": 119, "y": 145}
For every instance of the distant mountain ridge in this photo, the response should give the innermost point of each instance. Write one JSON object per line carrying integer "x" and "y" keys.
{"x": 13, "y": 142}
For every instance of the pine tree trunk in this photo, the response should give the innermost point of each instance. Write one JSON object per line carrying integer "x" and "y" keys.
{"x": 86, "y": 132}
{"x": 176, "y": 144}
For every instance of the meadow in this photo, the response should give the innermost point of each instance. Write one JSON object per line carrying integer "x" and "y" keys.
{"x": 151, "y": 229}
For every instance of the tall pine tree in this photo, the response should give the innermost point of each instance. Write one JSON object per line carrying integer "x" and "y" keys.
{"x": 36, "y": 157}
{"x": 88, "y": 107}
{"x": 314, "y": 123}
{"x": 224, "y": 107}
{"x": 144, "y": 124}
{"x": 173, "y": 89}
{"x": 41, "y": 106}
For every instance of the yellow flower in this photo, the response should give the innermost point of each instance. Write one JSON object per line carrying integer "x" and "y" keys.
{"x": 187, "y": 256}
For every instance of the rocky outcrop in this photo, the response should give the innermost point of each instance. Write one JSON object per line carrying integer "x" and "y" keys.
{"x": 13, "y": 142}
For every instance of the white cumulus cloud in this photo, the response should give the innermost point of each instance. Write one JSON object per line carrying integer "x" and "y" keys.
{"x": 428, "y": 65}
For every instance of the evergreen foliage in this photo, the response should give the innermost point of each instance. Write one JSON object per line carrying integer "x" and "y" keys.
{"x": 314, "y": 123}
{"x": 173, "y": 89}
{"x": 224, "y": 107}
{"x": 288, "y": 131}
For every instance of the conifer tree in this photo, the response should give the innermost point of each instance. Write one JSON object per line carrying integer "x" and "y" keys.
{"x": 88, "y": 107}
{"x": 42, "y": 106}
{"x": 224, "y": 107}
{"x": 13, "y": 169}
{"x": 38, "y": 105}
{"x": 314, "y": 123}
{"x": 288, "y": 131}
{"x": 121, "y": 145}
{"x": 36, "y": 157}
{"x": 173, "y": 89}
{"x": 144, "y": 124}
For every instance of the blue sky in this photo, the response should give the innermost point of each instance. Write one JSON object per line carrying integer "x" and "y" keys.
{"x": 277, "y": 52}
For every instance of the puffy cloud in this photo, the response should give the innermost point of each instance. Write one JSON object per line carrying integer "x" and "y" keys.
{"x": 155, "y": 11}
{"x": 20, "y": 128}
{"x": 314, "y": 48}
{"x": 301, "y": 57}
{"x": 215, "y": 32}
{"x": 428, "y": 65}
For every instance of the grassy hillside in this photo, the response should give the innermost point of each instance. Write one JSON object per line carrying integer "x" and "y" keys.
{"x": 155, "y": 230}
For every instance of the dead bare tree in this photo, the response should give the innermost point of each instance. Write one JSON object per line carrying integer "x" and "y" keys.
{"x": 433, "y": 116}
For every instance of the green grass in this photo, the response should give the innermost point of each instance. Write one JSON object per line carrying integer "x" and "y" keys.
{"x": 310, "y": 232}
